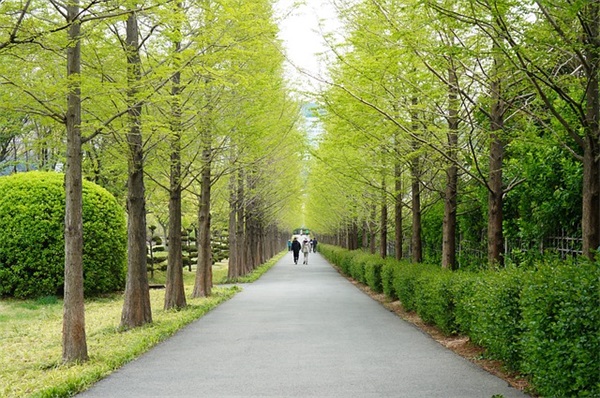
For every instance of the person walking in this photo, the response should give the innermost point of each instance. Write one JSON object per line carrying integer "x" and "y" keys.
{"x": 305, "y": 251}
{"x": 296, "y": 250}
{"x": 289, "y": 243}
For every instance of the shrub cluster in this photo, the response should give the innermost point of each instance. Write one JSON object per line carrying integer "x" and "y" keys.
{"x": 543, "y": 321}
{"x": 32, "y": 212}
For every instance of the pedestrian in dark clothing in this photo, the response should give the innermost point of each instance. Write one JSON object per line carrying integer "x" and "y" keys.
{"x": 314, "y": 245}
{"x": 296, "y": 246}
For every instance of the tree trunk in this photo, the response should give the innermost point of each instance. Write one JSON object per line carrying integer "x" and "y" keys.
{"x": 373, "y": 229}
{"x": 365, "y": 235}
{"x": 175, "y": 291}
{"x": 136, "y": 308}
{"x": 203, "y": 284}
{"x": 74, "y": 346}
{"x": 398, "y": 208}
{"x": 233, "y": 271}
{"x": 451, "y": 194}
{"x": 591, "y": 162}
{"x": 384, "y": 220}
{"x": 591, "y": 197}
{"x": 415, "y": 169}
{"x": 496, "y": 190}
{"x": 240, "y": 235}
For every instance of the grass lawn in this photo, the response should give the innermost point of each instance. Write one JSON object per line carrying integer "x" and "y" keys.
{"x": 31, "y": 339}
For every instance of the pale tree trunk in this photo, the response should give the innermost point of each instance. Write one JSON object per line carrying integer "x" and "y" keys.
{"x": 495, "y": 188}
{"x": 175, "y": 291}
{"x": 383, "y": 221}
{"x": 136, "y": 308}
{"x": 451, "y": 194}
{"x": 203, "y": 283}
{"x": 74, "y": 346}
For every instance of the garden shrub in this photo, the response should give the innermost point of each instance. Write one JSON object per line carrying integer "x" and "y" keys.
{"x": 463, "y": 291}
{"x": 496, "y": 320}
{"x": 32, "y": 211}
{"x": 387, "y": 277}
{"x": 358, "y": 264}
{"x": 561, "y": 337}
{"x": 405, "y": 281}
{"x": 434, "y": 300}
{"x": 372, "y": 273}
{"x": 345, "y": 261}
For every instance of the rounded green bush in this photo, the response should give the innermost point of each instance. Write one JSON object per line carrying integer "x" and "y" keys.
{"x": 32, "y": 212}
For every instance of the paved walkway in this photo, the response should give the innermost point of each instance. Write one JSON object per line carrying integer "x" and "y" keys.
{"x": 301, "y": 331}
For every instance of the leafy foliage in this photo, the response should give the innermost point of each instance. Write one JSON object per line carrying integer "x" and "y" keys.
{"x": 31, "y": 231}
{"x": 561, "y": 336}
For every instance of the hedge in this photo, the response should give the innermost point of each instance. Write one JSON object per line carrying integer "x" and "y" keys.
{"x": 543, "y": 322}
{"x": 32, "y": 212}
{"x": 561, "y": 337}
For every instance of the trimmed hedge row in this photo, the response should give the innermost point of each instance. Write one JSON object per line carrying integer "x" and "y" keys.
{"x": 543, "y": 322}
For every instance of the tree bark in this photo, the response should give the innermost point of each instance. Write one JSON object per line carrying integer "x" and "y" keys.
{"x": 233, "y": 271}
{"x": 451, "y": 194}
{"x": 591, "y": 158}
{"x": 175, "y": 291}
{"x": 74, "y": 345}
{"x": 495, "y": 188}
{"x": 136, "y": 308}
{"x": 203, "y": 283}
{"x": 240, "y": 236}
{"x": 398, "y": 208}
{"x": 415, "y": 168}
{"x": 384, "y": 220}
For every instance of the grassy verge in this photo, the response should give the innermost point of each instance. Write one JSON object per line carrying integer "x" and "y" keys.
{"x": 30, "y": 336}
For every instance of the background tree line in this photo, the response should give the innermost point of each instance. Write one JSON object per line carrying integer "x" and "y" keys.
{"x": 179, "y": 108}
{"x": 458, "y": 128}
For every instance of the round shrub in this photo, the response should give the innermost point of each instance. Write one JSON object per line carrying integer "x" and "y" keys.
{"x": 32, "y": 212}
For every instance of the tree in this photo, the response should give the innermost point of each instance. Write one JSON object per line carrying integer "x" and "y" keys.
{"x": 74, "y": 341}
{"x": 136, "y": 308}
{"x": 175, "y": 293}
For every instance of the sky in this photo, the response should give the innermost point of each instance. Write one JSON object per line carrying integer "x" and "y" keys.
{"x": 301, "y": 33}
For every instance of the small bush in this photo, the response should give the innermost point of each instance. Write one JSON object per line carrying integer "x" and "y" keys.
{"x": 405, "y": 283}
{"x": 561, "y": 337}
{"x": 357, "y": 265}
{"x": 463, "y": 290}
{"x": 434, "y": 299}
{"x": 32, "y": 212}
{"x": 372, "y": 273}
{"x": 387, "y": 277}
{"x": 496, "y": 319}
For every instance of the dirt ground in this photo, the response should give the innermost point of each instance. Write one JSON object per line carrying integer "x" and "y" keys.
{"x": 461, "y": 345}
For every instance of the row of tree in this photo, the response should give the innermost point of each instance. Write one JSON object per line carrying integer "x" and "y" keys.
{"x": 180, "y": 108}
{"x": 462, "y": 112}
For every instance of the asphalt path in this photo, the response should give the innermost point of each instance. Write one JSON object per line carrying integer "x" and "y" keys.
{"x": 301, "y": 331}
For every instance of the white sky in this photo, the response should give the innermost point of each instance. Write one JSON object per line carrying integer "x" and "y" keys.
{"x": 300, "y": 31}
